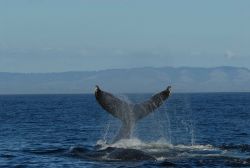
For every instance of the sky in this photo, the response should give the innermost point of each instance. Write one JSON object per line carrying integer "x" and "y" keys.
{"x": 86, "y": 35}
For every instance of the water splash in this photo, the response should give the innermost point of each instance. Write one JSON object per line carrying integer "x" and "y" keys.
{"x": 167, "y": 117}
{"x": 106, "y": 132}
{"x": 159, "y": 123}
{"x": 190, "y": 120}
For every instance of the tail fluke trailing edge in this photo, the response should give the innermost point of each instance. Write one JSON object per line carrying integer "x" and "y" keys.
{"x": 118, "y": 107}
{"x": 147, "y": 107}
{"x": 111, "y": 104}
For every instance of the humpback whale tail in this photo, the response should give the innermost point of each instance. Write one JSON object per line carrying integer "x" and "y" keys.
{"x": 129, "y": 113}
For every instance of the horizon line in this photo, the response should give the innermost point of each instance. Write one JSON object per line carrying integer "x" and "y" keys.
{"x": 128, "y": 93}
{"x": 108, "y": 69}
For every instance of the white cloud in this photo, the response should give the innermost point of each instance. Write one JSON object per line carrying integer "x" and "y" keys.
{"x": 229, "y": 54}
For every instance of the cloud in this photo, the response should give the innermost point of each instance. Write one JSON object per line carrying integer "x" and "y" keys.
{"x": 229, "y": 54}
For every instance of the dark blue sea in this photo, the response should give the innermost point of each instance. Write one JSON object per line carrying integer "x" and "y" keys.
{"x": 189, "y": 130}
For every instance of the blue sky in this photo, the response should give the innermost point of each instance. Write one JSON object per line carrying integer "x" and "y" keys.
{"x": 66, "y": 35}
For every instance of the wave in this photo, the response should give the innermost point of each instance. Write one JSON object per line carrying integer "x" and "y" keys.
{"x": 154, "y": 145}
{"x": 162, "y": 151}
{"x": 46, "y": 151}
{"x": 241, "y": 147}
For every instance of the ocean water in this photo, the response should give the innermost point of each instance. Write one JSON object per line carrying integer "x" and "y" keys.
{"x": 189, "y": 130}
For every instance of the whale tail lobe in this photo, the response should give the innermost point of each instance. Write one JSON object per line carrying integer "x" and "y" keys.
{"x": 129, "y": 113}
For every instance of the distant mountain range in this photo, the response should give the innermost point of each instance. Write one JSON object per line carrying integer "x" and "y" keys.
{"x": 134, "y": 80}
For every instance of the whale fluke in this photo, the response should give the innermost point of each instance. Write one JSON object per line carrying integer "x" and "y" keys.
{"x": 129, "y": 113}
